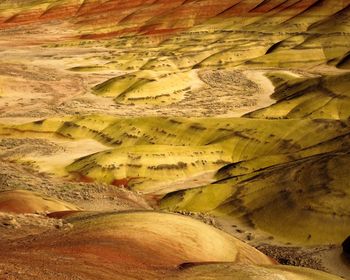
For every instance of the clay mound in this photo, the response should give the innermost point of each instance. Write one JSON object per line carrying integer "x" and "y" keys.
{"x": 150, "y": 153}
{"x": 20, "y": 202}
{"x": 152, "y": 239}
{"x": 324, "y": 97}
{"x": 273, "y": 199}
{"x": 147, "y": 168}
{"x": 141, "y": 245}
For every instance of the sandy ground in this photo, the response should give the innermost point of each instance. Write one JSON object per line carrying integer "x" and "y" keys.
{"x": 88, "y": 196}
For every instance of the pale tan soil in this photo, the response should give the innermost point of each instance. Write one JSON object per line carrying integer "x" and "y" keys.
{"x": 225, "y": 93}
{"x": 48, "y": 88}
{"x": 328, "y": 258}
{"x": 88, "y": 196}
{"x": 52, "y": 89}
{"x": 50, "y": 154}
{"x": 18, "y": 226}
{"x": 15, "y": 147}
{"x": 70, "y": 150}
{"x": 335, "y": 262}
{"x": 234, "y": 96}
{"x": 188, "y": 183}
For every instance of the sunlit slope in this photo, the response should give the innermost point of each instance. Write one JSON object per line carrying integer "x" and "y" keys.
{"x": 325, "y": 97}
{"x": 245, "y": 137}
{"x": 147, "y": 151}
{"x": 149, "y": 167}
{"x": 297, "y": 33}
{"x": 337, "y": 144}
{"x": 176, "y": 239}
{"x": 125, "y": 245}
{"x": 148, "y": 87}
{"x": 292, "y": 200}
{"x": 155, "y": 245}
{"x": 20, "y": 201}
{"x": 21, "y": 12}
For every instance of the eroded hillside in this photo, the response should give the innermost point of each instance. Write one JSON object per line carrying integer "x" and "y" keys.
{"x": 235, "y": 113}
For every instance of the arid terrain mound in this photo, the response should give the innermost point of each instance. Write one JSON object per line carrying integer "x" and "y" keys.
{"x": 115, "y": 113}
{"x": 158, "y": 245}
{"x": 21, "y": 202}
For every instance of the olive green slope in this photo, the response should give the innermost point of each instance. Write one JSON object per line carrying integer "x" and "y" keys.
{"x": 146, "y": 87}
{"x": 326, "y": 97}
{"x": 290, "y": 193}
{"x": 153, "y": 152}
{"x": 337, "y": 144}
{"x": 149, "y": 167}
{"x": 245, "y": 137}
{"x": 291, "y": 201}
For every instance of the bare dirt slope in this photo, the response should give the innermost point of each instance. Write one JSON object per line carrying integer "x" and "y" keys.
{"x": 235, "y": 113}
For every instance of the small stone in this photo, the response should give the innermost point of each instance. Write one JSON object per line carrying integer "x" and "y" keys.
{"x": 59, "y": 224}
{"x": 68, "y": 226}
{"x": 11, "y": 222}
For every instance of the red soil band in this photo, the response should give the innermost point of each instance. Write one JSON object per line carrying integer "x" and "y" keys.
{"x": 137, "y": 16}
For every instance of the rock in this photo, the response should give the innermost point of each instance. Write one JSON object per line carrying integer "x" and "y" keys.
{"x": 68, "y": 226}
{"x": 59, "y": 224}
{"x": 11, "y": 222}
{"x": 346, "y": 247}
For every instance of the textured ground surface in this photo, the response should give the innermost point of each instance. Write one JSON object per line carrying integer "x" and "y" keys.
{"x": 235, "y": 113}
